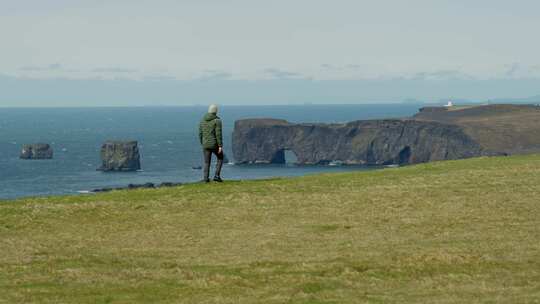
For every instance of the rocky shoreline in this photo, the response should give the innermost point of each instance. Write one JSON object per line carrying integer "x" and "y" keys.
{"x": 137, "y": 186}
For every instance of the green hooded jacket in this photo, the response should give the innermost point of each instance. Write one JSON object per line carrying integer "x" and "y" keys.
{"x": 210, "y": 134}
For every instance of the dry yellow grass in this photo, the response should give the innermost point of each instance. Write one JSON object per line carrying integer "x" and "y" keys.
{"x": 449, "y": 232}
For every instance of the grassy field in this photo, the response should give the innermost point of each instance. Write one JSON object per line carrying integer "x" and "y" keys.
{"x": 450, "y": 232}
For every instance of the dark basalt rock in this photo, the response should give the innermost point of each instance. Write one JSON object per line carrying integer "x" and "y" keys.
{"x": 36, "y": 151}
{"x": 102, "y": 190}
{"x": 138, "y": 186}
{"x": 372, "y": 142}
{"x": 120, "y": 156}
{"x": 168, "y": 184}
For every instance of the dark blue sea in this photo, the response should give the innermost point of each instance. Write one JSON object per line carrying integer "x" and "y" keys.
{"x": 167, "y": 138}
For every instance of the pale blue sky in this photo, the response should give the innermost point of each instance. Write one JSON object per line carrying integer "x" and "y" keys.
{"x": 312, "y": 49}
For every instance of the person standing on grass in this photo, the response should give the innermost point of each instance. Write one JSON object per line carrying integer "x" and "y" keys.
{"x": 210, "y": 136}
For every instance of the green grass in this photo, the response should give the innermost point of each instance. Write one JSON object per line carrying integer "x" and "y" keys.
{"x": 449, "y": 232}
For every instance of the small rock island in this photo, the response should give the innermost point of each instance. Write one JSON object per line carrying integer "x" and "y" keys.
{"x": 435, "y": 133}
{"x": 36, "y": 151}
{"x": 120, "y": 156}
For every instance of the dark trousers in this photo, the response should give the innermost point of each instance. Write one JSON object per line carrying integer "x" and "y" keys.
{"x": 208, "y": 159}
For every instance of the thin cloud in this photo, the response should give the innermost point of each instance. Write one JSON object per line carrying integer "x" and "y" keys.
{"x": 114, "y": 70}
{"x": 351, "y": 66}
{"x": 327, "y": 66}
{"x": 215, "y": 75}
{"x": 281, "y": 74}
{"x": 50, "y": 67}
{"x": 160, "y": 78}
{"x": 512, "y": 70}
{"x": 442, "y": 75}
{"x": 534, "y": 70}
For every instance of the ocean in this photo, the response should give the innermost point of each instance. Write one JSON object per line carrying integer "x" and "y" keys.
{"x": 167, "y": 138}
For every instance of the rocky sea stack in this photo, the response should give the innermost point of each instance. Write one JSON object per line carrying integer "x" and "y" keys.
{"x": 36, "y": 151}
{"x": 120, "y": 156}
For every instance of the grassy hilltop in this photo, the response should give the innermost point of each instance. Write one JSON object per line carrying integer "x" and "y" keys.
{"x": 450, "y": 232}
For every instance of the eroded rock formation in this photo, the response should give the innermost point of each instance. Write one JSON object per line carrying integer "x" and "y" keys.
{"x": 435, "y": 133}
{"x": 371, "y": 142}
{"x": 36, "y": 151}
{"x": 120, "y": 156}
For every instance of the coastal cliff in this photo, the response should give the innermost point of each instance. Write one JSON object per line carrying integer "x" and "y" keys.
{"x": 499, "y": 128}
{"x": 435, "y": 133}
{"x": 371, "y": 142}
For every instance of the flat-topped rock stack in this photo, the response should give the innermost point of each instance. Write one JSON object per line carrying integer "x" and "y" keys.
{"x": 36, "y": 151}
{"x": 120, "y": 156}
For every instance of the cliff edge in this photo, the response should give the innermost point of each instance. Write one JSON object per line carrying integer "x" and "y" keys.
{"x": 433, "y": 134}
{"x": 501, "y": 128}
{"x": 372, "y": 142}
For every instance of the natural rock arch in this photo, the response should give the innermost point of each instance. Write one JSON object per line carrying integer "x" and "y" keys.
{"x": 284, "y": 156}
{"x": 405, "y": 155}
{"x": 373, "y": 142}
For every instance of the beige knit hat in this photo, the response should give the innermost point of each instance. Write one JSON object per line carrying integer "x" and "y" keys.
{"x": 212, "y": 109}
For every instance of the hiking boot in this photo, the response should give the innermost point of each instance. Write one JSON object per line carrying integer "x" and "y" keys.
{"x": 218, "y": 179}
